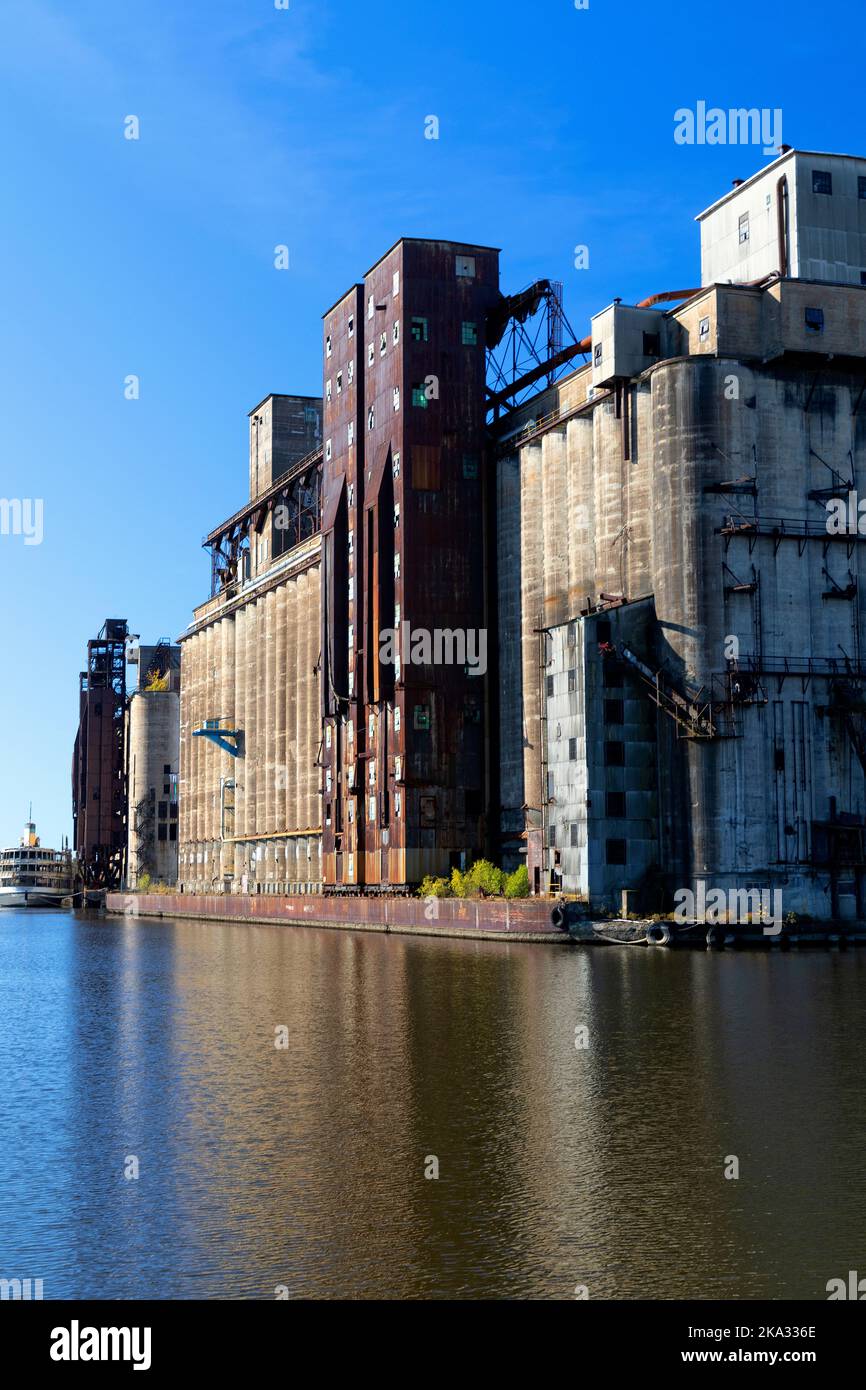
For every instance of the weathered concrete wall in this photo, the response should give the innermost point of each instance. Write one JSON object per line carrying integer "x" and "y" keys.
{"x": 252, "y": 664}
{"x": 153, "y": 733}
{"x": 621, "y": 509}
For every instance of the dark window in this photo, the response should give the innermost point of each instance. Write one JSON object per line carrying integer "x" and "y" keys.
{"x": 822, "y": 181}
{"x": 602, "y": 630}
{"x": 651, "y": 345}
{"x": 615, "y": 804}
{"x": 861, "y": 186}
{"x": 469, "y": 335}
{"x": 163, "y": 810}
{"x": 96, "y": 795}
{"x": 418, "y": 330}
{"x": 549, "y": 686}
{"x": 615, "y": 852}
{"x": 470, "y": 466}
{"x": 572, "y": 749}
{"x": 863, "y": 277}
{"x": 614, "y": 712}
{"x": 574, "y": 832}
{"x": 779, "y": 759}
{"x": 172, "y": 810}
{"x": 97, "y": 710}
{"x": 162, "y": 832}
{"x": 596, "y": 356}
{"x": 614, "y": 754}
{"x": 166, "y": 789}
{"x": 572, "y": 679}
{"x": 552, "y": 836}
{"x": 172, "y": 832}
{"x": 814, "y": 320}
{"x": 166, "y": 768}
{"x": 612, "y": 676}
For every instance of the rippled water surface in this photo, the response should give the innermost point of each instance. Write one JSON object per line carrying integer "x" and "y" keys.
{"x": 304, "y": 1166}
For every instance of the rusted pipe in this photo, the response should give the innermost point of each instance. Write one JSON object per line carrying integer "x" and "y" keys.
{"x": 667, "y": 294}
{"x": 782, "y": 216}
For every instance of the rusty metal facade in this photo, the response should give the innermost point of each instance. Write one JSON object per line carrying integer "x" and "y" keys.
{"x": 403, "y": 764}
{"x": 99, "y": 780}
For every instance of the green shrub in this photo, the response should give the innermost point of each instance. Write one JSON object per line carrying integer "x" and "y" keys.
{"x": 459, "y": 887}
{"x": 435, "y": 887}
{"x": 143, "y": 883}
{"x": 517, "y": 884}
{"x": 485, "y": 880}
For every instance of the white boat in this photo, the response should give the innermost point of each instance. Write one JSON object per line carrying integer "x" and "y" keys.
{"x": 31, "y": 876}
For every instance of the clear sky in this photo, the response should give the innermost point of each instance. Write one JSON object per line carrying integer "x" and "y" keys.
{"x": 305, "y": 126}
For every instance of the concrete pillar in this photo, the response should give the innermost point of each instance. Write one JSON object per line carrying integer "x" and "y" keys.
{"x": 270, "y": 732}
{"x": 280, "y": 712}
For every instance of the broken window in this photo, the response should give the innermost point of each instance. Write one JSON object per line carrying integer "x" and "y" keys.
{"x": 615, "y": 852}
{"x": 419, "y": 330}
{"x": 822, "y": 181}
{"x": 469, "y": 334}
{"x": 743, "y": 228}
{"x": 614, "y": 712}
{"x": 615, "y": 804}
{"x": 814, "y": 319}
{"x": 465, "y": 267}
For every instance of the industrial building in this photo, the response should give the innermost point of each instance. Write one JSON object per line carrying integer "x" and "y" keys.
{"x": 405, "y": 767}
{"x": 250, "y": 724}
{"x": 153, "y": 750}
{"x": 125, "y": 761}
{"x": 673, "y": 690}
{"x": 99, "y": 782}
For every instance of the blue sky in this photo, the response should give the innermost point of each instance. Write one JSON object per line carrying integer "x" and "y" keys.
{"x": 305, "y": 127}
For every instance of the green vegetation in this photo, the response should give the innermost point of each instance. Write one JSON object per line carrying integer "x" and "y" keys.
{"x": 517, "y": 884}
{"x": 482, "y": 880}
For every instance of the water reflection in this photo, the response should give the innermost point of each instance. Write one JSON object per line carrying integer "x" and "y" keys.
{"x": 304, "y": 1166}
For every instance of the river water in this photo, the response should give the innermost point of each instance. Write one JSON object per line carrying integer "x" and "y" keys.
{"x": 130, "y": 1046}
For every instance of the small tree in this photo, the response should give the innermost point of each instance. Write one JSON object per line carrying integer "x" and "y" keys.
{"x": 517, "y": 884}
{"x": 485, "y": 880}
{"x": 435, "y": 887}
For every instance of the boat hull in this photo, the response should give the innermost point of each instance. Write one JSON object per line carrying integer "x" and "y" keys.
{"x": 34, "y": 897}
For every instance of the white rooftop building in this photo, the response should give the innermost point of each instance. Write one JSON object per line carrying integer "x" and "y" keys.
{"x": 803, "y": 216}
